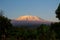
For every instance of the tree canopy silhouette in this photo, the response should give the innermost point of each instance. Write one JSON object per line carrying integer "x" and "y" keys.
{"x": 4, "y": 24}
{"x": 58, "y": 12}
{"x": 55, "y": 27}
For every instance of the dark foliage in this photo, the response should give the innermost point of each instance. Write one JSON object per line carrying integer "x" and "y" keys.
{"x": 58, "y": 12}
{"x": 5, "y": 25}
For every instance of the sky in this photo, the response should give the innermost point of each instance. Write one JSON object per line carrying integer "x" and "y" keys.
{"x": 42, "y": 8}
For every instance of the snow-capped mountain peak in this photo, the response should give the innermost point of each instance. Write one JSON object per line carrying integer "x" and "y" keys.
{"x": 29, "y": 18}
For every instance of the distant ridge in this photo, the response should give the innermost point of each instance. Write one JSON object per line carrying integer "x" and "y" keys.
{"x": 29, "y": 20}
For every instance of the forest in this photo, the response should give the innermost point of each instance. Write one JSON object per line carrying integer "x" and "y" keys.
{"x": 43, "y": 32}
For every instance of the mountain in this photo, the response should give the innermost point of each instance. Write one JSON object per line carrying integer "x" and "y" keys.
{"x": 29, "y": 21}
{"x": 29, "y": 18}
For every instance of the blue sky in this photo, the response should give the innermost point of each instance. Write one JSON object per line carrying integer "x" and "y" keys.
{"x": 42, "y": 8}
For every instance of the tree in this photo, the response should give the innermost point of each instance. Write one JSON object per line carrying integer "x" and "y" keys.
{"x": 58, "y": 12}
{"x": 5, "y": 25}
{"x": 55, "y": 27}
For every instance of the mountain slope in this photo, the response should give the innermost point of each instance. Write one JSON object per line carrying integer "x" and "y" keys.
{"x": 29, "y": 20}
